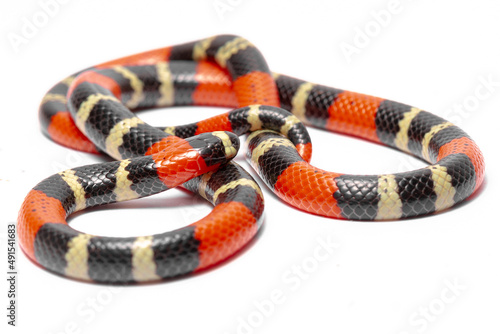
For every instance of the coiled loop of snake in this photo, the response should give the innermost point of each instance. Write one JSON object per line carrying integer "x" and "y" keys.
{"x": 227, "y": 71}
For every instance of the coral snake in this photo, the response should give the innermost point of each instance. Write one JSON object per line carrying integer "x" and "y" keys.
{"x": 91, "y": 111}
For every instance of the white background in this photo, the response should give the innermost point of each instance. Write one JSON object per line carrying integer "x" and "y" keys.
{"x": 380, "y": 279}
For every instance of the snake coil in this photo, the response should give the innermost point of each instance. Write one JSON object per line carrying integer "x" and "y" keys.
{"x": 92, "y": 111}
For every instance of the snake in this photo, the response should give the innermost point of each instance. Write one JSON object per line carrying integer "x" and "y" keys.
{"x": 93, "y": 111}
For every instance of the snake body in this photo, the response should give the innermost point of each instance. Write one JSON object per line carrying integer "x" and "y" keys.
{"x": 91, "y": 111}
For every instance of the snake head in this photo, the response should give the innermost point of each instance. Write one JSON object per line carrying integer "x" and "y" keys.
{"x": 217, "y": 147}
